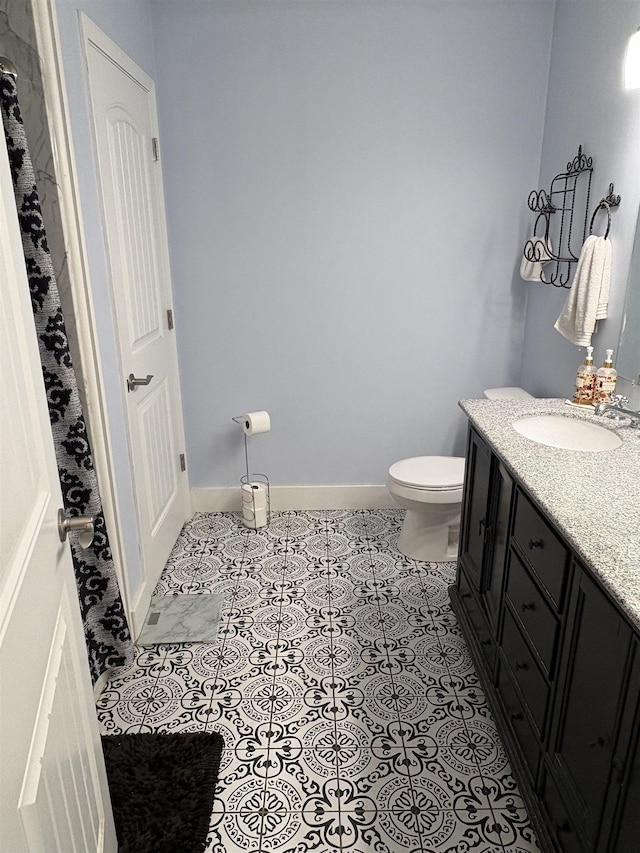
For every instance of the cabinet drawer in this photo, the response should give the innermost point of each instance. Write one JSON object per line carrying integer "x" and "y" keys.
{"x": 542, "y": 548}
{"x": 532, "y": 610}
{"x": 477, "y": 618}
{"x": 517, "y": 717}
{"x": 524, "y": 669}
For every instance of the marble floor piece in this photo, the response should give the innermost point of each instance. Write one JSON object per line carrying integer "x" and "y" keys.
{"x": 182, "y": 618}
{"x": 352, "y": 716}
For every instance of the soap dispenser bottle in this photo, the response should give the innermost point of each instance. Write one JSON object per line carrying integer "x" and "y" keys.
{"x": 585, "y": 381}
{"x": 605, "y": 380}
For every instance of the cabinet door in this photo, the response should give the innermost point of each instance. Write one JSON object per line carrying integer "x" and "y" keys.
{"x": 596, "y": 672}
{"x": 484, "y": 636}
{"x": 492, "y": 582}
{"x": 559, "y": 820}
{"x": 624, "y": 792}
{"x": 629, "y": 831}
{"x": 476, "y": 507}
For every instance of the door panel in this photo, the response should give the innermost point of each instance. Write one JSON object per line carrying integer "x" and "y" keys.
{"x": 157, "y": 438}
{"x": 60, "y": 776}
{"x": 53, "y": 788}
{"x": 125, "y": 123}
{"x": 134, "y": 204}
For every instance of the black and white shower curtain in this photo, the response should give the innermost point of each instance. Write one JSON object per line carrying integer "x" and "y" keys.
{"x": 105, "y": 627}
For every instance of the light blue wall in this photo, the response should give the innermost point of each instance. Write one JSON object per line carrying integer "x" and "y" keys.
{"x": 127, "y": 22}
{"x": 587, "y": 105}
{"x": 346, "y": 187}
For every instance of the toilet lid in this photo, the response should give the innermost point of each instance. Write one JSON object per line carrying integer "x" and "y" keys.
{"x": 429, "y": 472}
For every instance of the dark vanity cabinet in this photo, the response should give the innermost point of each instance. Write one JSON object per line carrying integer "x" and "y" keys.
{"x": 559, "y": 660}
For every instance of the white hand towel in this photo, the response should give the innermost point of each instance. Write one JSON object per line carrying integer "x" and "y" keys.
{"x": 603, "y": 247}
{"x": 589, "y": 295}
{"x": 532, "y": 270}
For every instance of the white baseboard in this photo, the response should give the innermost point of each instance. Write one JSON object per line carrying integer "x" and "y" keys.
{"x": 228, "y": 499}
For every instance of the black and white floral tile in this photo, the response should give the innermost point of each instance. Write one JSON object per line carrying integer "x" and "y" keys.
{"x": 351, "y": 714}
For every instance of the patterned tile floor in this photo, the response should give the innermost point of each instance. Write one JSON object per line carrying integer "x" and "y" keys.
{"x": 351, "y": 713}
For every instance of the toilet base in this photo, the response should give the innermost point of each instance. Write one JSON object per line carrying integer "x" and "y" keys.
{"x": 434, "y": 544}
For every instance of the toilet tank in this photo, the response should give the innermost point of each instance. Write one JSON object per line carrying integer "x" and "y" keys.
{"x": 511, "y": 393}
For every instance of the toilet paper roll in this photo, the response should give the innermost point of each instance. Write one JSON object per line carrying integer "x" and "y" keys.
{"x": 254, "y": 496}
{"x": 254, "y": 519}
{"x": 254, "y": 423}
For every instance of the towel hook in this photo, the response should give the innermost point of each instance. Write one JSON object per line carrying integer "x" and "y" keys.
{"x": 606, "y": 203}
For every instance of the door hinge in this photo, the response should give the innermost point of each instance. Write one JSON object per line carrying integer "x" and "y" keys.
{"x": 169, "y": 319}
{"x": 155, "y": 148}
{"x": 183, "y": 462}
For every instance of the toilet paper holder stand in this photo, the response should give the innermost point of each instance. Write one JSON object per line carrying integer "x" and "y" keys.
{"x": 249, "y": 479}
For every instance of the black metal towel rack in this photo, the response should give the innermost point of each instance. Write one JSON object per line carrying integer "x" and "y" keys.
{"x": 606, "y": 203}
{"x": 565, "y": 188}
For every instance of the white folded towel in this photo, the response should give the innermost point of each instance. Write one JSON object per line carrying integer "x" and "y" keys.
{"x": 532, "y": 270}
{"x": 589, "y": 295}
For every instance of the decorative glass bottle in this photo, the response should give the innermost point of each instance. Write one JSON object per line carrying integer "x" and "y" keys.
{"x": 585, "y": 381}
{"x": 605, "y": 380}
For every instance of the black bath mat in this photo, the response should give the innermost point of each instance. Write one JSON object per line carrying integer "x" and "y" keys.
{"x": 162, "y": 789}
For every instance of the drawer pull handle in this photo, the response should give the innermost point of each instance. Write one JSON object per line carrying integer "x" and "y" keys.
{"x": 530, "y": 606}
{"x": 535, "y": 543}
{"x": 481, "y": 527}
{"x": 486, "y": 642}
{"x": 516, "y": 716}
{"x": 565, "y": 826}
{"x": 522, "y": 665}
{"x": 599, "y": 741}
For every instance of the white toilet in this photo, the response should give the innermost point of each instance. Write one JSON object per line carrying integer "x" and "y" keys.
{"x": 429, "y": 488}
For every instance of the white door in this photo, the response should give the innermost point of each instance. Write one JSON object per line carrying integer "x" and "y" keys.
{"x": 53, "y": 788}
{"x": 126, "y": 133}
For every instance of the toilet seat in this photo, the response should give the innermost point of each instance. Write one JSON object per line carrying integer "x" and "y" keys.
{"x": 429, "y": 473}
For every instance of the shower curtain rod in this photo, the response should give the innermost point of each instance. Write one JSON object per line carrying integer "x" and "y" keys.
{"x": 7, "y": 67}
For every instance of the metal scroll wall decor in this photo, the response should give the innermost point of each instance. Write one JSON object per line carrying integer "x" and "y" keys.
{"x": 569, "y": 229}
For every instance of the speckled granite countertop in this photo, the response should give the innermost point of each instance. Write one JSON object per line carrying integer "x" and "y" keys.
{"x": 592, "y": 498}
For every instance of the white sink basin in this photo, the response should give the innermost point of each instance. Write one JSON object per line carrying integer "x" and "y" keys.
{"x": 567, "y": 433}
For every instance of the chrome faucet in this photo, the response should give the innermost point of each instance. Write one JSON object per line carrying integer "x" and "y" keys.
{"x": 617, "y": 410}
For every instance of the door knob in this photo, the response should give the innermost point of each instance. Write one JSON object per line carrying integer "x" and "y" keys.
{"x": 80, "y": 524}
{"x": 134, "y": 381}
